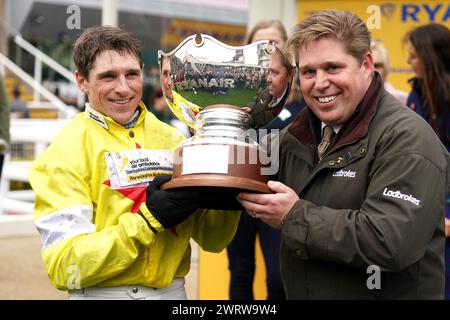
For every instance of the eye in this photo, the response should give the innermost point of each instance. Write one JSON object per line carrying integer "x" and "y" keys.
{"x": 332, "y": 68}
{"x": 378, "y": 65}
{"x": 108, "y": 78}
{"x": 273, "y": 73}
{"x": 133, "y": 74}
{"x": 308, "y": 73}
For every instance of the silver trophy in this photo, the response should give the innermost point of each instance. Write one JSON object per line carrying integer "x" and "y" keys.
{"x": 222, "y": 93}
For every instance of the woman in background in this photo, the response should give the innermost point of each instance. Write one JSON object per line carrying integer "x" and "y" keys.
{"x": 429, "y": 57}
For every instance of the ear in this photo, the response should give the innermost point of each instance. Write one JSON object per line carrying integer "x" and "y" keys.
{"x": 81, "y": 81}
{"x": 367, "y": 64}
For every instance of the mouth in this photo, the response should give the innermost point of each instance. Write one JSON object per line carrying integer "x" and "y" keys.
{"x": 121, "y": 101}
{"x": 327, "y": 99}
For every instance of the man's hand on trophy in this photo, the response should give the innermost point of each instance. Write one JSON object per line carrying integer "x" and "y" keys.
{"x": 272, "y": 208}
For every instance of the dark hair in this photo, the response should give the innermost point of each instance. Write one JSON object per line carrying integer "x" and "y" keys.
{"x": 432, "y": 45}
{"x": 341, "y": 25}
{"x": 95, "y": 40}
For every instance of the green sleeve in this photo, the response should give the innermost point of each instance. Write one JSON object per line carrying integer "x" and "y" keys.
{"x": 4, "y": 115}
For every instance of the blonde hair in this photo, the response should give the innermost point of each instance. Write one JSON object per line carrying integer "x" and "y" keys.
{"x": 377, "y": 45}
{"x": 341, "y": 25}
{"x": 267, "y": 24}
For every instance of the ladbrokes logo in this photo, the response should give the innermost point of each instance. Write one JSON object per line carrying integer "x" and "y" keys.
{"x": 397, "y": 194}
{"x": 344, "y": 174}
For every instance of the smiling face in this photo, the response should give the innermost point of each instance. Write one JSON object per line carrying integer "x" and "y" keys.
{"x": 166, "y": 77}
{"x": 332, "y": 81}
{"x": 114, "y": 85}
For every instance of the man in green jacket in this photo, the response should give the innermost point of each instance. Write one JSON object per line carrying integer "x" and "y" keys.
{"x": 361, "y": 211}
{"x": 4, "y": 124}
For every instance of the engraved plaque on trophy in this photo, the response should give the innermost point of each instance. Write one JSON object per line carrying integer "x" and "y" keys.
{"x": 221, "y": 92}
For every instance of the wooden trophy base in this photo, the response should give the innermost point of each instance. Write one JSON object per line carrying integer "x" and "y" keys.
{"x": 217, "y": 180}
{"x": 244, "y": 175}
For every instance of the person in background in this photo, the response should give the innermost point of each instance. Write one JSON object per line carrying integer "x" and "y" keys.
{"x": 17, "y": 106}
{"x": 4, "y": 124}
{"x": 429, "y": 57}
{"x": 160, "y": 108}
{"x": 382, "y": 65}
{"x": 150, "y": 84}
{"x": 362, "y": 181}
{"x": 241, "y": 251}
{"x": 108, "y": 230}
{"x": 274, "y": 30}
{"x": 166, "y": 77}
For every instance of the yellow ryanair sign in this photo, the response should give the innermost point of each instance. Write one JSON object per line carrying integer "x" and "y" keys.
{"x": 179, "y": 29}
{"x": 388, "y": 21}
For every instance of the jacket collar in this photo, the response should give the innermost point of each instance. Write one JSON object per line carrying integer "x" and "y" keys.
{"x": 414, "y": 82}
{"x": 107, "y": 122}
{"x": 306, "y": 124}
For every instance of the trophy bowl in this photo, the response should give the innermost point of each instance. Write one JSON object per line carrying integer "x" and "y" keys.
{"x": 222, "y": 93}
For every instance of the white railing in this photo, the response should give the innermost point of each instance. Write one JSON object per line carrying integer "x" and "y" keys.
{"x": 40, "y": 57}
{"x": 60, "y": 105}
{"x": 39, "y": 133}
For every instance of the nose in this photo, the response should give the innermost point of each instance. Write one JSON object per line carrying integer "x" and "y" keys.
{"x": 408, "y": 60}
{"x": 122, "y": 85}
{"x": 322, "y": 81}
{"x": 170, "y": 82}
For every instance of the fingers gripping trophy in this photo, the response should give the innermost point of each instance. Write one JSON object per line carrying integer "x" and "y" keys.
{"x": 222, "y": 92}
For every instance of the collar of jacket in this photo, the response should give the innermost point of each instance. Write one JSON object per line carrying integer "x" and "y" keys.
{"x": 355, "y": 128}
{"x": 107, "y": 122}
{"x": 263, "y": 108}
{"x": 414, "y": 82}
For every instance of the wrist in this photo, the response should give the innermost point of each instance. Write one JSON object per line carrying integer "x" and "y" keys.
{"x": 286, "y": 216}
{"x": 154, "y": 225}
{"x": 148, "y": 223}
